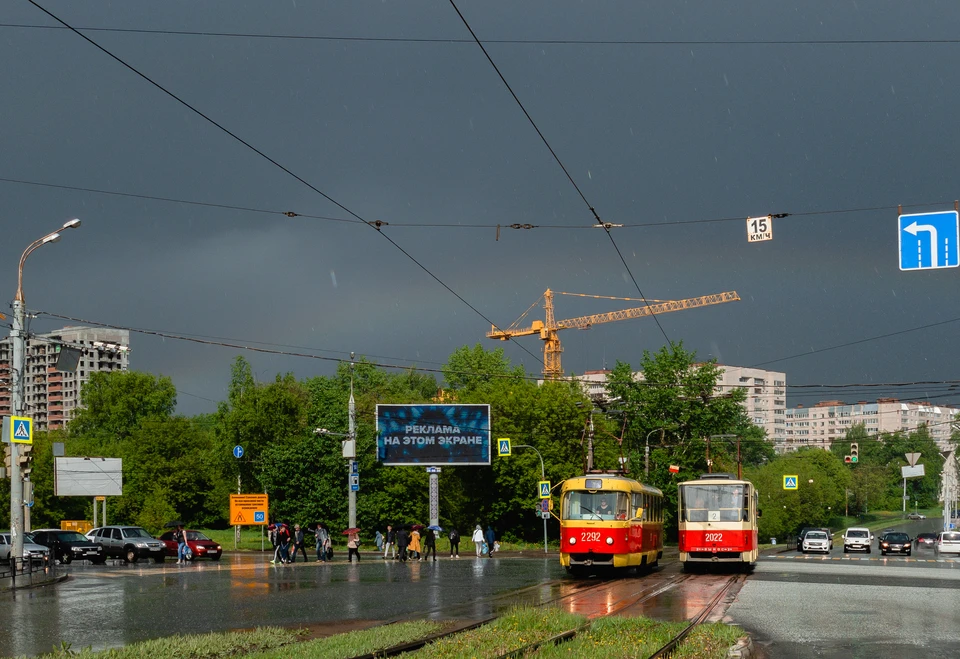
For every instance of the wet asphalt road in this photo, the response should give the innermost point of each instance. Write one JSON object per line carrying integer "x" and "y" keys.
{"x": 117, "y": 604}
{"x": 854, "y": 605}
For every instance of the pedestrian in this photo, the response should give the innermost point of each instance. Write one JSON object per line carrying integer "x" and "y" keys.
{"x": 180, "y": 535}
{"x": 477, "y": 538}
{"x": 454, "y": 543}
{"x": 378, "y": 541}
{"x": 353, "y": 547}
{"x": 322, "y": 540}
{"x": 430, "y": 545}
{"x": 491, "y": 541}
{"x": 391, "y": 542}
{"x": 402, "y": 540}
{"x": 298, "y": 544}
{"x": 283, "y": 537}
{"x": 414, "y": 548}
{"x": 272, "y": 532}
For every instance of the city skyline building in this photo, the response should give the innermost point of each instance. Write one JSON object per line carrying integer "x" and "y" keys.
{"x": 51, "y": 397}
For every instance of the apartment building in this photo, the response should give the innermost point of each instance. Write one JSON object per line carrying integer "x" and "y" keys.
{"x": 52, "y": 396}
{"x": 765, "y": 405}
{"x": 829, "y": 420}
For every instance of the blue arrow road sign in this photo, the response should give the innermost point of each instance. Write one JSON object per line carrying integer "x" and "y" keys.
{"x": 238, "y": 451}
{"x": 929, "y": 240}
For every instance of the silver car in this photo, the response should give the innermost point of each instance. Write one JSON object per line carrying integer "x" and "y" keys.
{"x": 31, "y": 550}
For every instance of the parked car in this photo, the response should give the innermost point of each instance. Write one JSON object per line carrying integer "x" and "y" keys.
{"x": 68, "y": 546}
{"x": 896, "y": 543}
{"x": 816, "y": 540}
{"x": 857, "y": 539}
{"x": 948, "y": 542}
{"x": 131, "y": 543}
{"x": 31, "y": 550}
{"x": 200, "y": 545}
{"x": 916, "y": 516}
{"x": 926, "y": 539}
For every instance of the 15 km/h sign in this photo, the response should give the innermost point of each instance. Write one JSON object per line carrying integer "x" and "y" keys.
{"x": 248, "y": 509}
{"x": 929, "y": 240}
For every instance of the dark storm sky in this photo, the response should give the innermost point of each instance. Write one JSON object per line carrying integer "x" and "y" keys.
{"x": 424, "y": 132}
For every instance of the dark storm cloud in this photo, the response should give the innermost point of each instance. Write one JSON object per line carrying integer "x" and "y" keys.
{"x": 426, "y": 133}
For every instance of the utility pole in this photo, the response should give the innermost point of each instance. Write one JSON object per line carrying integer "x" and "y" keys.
{"x": 590, "y": 445}
{"x": 352, "y": 441}
{"x": 543, "y": 477}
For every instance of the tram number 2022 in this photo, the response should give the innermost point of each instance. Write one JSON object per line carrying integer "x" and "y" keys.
{"x": 590, "y": 536}
{"x": 713, "y": 537}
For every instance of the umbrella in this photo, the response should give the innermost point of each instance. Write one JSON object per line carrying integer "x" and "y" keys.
{"x": 350, "y": 531}
{"x": 434, "y": 527}
{"x": 173, "y": 525}
{"x": 417, "y": 527}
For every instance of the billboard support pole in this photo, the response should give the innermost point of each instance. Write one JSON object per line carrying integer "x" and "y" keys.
{"x": 434, "y": 499}
{"x": 351, "y": 430}
{"x": 95, "y": 525}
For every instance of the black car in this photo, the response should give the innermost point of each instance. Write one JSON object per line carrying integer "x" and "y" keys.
{"x": 896, "y": 543}
{"x": 68, "y": 546}
{"x": 928, "y": 539}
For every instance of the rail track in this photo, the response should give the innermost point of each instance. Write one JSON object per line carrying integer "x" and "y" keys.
{"x": 646, "y": 594}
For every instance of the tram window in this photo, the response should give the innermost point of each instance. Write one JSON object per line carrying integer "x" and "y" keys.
{"x": 596, "y": 505}
{"x": 701, "y": 503}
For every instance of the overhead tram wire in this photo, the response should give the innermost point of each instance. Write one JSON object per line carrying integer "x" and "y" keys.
{"x": 455, "y": 225}
{"x": 456, "y": 40}
{"x": 358, "y": 218}
{"x": 593, "y": 211}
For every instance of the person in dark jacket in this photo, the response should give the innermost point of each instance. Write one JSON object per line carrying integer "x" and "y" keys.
{"x": 391, "y": 542}
{"x": 402, "y": 539}
{"x": 430, "y": 544}
{"x": 454, "y": 543}
{"x": 298, "y": 544}
{"x": 490, "y": 539}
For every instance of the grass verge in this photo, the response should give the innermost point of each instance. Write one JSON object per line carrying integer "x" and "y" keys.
{"x": 193, "y": 646}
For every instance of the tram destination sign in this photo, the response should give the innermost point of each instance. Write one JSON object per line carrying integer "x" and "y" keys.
{"x": 433, "y": 434}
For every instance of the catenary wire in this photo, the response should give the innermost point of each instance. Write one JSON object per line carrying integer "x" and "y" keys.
{"x": 543, "y": 138}
{"x": 455, "y": 40}
{"x": 290, "y": 172}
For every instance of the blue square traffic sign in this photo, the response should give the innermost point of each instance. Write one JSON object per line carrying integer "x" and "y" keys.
{"x": 929, "y": 240}
{"x": 259, "y": 516}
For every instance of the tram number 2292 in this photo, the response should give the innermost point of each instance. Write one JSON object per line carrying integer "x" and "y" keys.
{"x": 590, "y": 536}
{"x": 713, "y": 537}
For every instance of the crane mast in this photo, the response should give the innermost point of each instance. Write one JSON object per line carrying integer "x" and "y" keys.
{"x": 549, "y": 328}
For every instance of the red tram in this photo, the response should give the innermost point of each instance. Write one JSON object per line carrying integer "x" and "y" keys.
{"x": 609, "y": 521}
{"x": 718, "y": 521}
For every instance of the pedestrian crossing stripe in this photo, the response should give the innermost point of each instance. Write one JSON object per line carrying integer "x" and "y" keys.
{"x": 21, "y": 431}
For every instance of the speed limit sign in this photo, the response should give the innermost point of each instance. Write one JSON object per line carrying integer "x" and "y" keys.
{"x": 759, "y": 228}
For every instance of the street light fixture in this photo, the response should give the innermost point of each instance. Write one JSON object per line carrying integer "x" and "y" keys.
{"x": 18, "y": 338}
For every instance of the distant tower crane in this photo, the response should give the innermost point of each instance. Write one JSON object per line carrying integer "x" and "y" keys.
{"x": 548, "y": 328}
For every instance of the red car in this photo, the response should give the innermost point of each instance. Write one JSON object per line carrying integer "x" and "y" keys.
{"x": 200, "y": 545}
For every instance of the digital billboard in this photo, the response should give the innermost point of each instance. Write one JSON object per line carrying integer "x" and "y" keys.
{"x": 433, "y": 434}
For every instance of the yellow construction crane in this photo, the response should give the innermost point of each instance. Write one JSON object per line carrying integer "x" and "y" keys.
{"x": 548, "y": 328}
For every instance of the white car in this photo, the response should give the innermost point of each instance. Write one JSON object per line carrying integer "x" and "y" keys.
{"x": 948, "y": 542}
{"x": 30, "y": 549}
{"x": 816, "y": 541}
{"x": 857, "y": 539}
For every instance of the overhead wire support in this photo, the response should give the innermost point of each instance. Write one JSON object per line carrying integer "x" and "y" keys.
{"x": 265, "y": 156}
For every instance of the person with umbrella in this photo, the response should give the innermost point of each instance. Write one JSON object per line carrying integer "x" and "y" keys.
{"x": 353, "y": 544}
{"x": 430, "y": 543}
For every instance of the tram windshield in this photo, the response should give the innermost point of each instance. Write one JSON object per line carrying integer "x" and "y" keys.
{"x": 596, "y": 505}
{"x": 714, "y": 503}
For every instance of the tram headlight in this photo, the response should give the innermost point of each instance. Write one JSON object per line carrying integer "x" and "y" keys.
{"x": 609, "y": 541}
{"x": 573, "y": 541}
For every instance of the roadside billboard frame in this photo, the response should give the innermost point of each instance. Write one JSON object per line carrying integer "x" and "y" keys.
{"x": 430, "y": 434}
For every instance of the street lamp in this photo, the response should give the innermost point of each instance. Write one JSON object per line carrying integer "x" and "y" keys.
{"x": 18, "y": 338}
{"x": 646, "y": 450}
{"x": 543, "y": 477}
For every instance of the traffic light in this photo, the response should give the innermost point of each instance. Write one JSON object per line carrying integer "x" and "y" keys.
{"x": 854, "y": 452}
{"x": 25, "y": 460}
{"x": 848, "y": 459}
{"x": 6, "y": 460}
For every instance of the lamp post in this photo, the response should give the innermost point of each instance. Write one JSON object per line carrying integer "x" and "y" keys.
{"x": 543, "y": 477}
{"x": 19, "y": 340}
{"x": 646, "y": 451}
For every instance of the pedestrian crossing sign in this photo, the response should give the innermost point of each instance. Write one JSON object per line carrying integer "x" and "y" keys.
{"x": 544, "y": 489}
{"x": 790, "y": 482}
{"x": 503, "y": 447}
{"x": 21, "y": 430}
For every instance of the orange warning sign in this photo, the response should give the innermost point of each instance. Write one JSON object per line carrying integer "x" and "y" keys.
{"x": 249, "y": 509}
